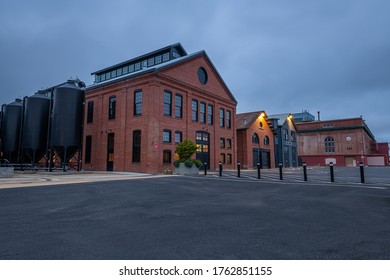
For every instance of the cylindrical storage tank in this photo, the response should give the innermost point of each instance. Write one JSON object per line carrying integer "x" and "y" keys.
{"x": 11, "y": 129}
{"x": 67, "y": 119}
{"x": 36, "y": 116}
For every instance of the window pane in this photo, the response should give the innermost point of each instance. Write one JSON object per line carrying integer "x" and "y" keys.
{"x": 221, "y": 117}
{"x": 222, "y": 143}
{"x": 202, "y": 112}
{"x": 158, "y": 59}
{"x": 167, "y": 156}
{"x": 178, "y": 137}
{"x": 195, "y": 110}
{"x": 112, "y": 107}
{"x": 210, "y": 114}
{"x": 229, "y": 158}
{"x": 125, "y": 70}
{"x": 228, "y": 143}
{"x": 165, "y": 57}
{"x": 138, "y": 103}
{"x": 178, "y": 106}
{"x": 137, "y": 146}
{"x": 167, "y": 136}
{"x": 90, "y": 112}
{"x": 228, "y": 119}
{"x": 167, "y": 103}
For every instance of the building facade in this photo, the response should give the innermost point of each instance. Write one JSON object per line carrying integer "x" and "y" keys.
{"x": 255, "y": 140}
{"x": 285, "y": 140}
{"x": 138, "y": 110}
{"x": 345, "y": 142}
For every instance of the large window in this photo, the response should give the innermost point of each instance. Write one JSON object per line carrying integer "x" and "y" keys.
{"x": 255, "y": 138}
{"x": 266, "y": 140}
{"x": 90, "y": 112}
{"x": 228, "y": 119}
{"x": 137, "y": 102}
{"x": 178, "y": 106}
{"x": 167, "y": 156}
{"x": 195, "y": 110}
{"x": 111, "y": 107}
{"x": 202, "y": 109}
{"x": 222, "y": 117}
{"x": 210, "y": 114}
{"x": 88, "y": 148}
{"x": 329, "y": 145}
{"x": 136, "y": 146}
{"x": 167, "y": 103}
{"x": 167, "y": 136}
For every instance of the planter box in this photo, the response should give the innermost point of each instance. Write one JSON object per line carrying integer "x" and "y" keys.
{"x": 183, "y": 170}
{"x": 6, "y": 172}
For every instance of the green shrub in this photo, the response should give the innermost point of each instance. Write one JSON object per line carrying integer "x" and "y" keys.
{"x": 176, "y": 163}
{"x": 189, "y": 163}
{"x": 198, "y": 163}
{"x": 186, "y": 149}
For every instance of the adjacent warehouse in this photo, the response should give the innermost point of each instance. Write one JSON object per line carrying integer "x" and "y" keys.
{"x": 345, "y": 142}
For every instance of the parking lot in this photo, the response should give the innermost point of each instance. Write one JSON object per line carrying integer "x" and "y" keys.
{"x": 201, "y": 217}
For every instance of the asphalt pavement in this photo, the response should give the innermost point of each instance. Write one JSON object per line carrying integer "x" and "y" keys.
{"x": 199, "y": 217}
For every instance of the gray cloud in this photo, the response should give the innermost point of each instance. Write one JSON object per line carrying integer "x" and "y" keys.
{"x": 281, "y": 56}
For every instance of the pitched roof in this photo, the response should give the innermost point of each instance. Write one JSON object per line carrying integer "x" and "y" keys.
{"x": 280, "y": 117}
{"x": 176, "y": 46}
{"x": 245, "y": 120}
{"x": 164, "y": 65}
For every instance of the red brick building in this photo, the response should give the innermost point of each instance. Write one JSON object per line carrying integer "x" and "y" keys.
{"x": 138, "y": 110}
{"x": 255, "y": 140}
{"x": 345, "y": 142}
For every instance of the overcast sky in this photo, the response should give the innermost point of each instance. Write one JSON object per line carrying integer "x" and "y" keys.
{"x": 280, "y": 56}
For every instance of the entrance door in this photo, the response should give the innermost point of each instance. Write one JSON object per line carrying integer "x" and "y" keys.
{"x": 265, "y": 159}
{"x": 110, "y": 152}
{"x": 203, "y": 147}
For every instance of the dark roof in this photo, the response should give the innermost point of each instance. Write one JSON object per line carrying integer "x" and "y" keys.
{"x": 176, "y": 46}
{"x": 162, "y": 66}
{"x": 245, "y": 120}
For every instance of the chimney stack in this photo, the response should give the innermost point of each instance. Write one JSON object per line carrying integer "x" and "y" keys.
{"x": 318, "y": 113}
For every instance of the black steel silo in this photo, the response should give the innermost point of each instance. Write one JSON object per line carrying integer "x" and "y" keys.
{"x": 11, "y": 129}
{"x": 67, "y": 119}
{"x": 35, "y": 123}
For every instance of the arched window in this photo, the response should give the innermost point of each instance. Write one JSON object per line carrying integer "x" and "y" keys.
{"x": 266, "y": 140}
{"x": 329, "y": 145}
{"x": 255, "y": 139}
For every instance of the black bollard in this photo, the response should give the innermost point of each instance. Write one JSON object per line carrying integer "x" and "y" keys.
{"x": 205, "y": 168}
{"x": 331, "y": 172}
{"x": 238, "y": 169}
{"x": 362, "y": 180}
{"x": 304, "y": 172}
{"x": 258, "y": 170}
{"x": 280, "y": 171}
{"x": 220, "y": 169}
